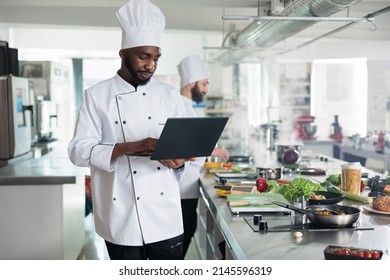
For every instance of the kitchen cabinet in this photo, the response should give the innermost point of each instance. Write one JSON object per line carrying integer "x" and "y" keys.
{"x": 42, "y": 209}
{"x": 208, "y": 238}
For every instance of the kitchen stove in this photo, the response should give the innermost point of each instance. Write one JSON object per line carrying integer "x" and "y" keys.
{"x": 284, "y": 224}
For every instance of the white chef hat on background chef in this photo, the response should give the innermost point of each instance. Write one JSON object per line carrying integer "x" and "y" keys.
{"x": 192, "y": 69}
{"x": 142, "y": 24}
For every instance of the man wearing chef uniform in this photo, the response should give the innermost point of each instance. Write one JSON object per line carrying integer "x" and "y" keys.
{"x": 194, "y": 83}
{"x": 136, "y": 200}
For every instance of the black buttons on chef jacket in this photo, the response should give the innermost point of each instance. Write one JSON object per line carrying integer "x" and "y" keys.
{"x": 158, "y": 167}
{"x": 149, "y": 118}
{"x": 134, "y": 172}
{"x": 116, "y": 122}
{"x": 119, "y": 98}
{"x": 124, "y": 122}
{"x": 161, "y": 193}
{"x": 144, "y": 93}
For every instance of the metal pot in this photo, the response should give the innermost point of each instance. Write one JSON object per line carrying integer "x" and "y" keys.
{"x": 346, "y": 217}
{"x": 289, "y": 154}
{"x": 270, "y": 173}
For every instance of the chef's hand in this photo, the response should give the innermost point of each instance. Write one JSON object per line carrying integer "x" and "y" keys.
{"x": 175, "y": 163}
{"x": 221, "y": 152}
{"x": 147, "y": 145}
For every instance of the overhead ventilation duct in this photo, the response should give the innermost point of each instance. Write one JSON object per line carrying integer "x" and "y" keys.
{"x": 260, "y": 36}
{"x": 268, "y": 33}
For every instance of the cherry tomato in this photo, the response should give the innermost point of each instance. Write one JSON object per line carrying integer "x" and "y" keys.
{"x": 314, "y": 197}
{"x": 361, "y": 186}
{"x": 375, "y": 255}
{"x": 337, "y": 251}
{"x": 345, "y": 252}
{"x": 367, "y": 254}
{"x": 357, "y": 254}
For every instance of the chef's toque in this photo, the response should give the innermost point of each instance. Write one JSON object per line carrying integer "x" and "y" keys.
{"x": 142, "y": 24}
{"x": 191, "y": 69}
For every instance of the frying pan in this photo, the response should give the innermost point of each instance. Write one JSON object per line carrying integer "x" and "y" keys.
{"x": 334, "y": 220}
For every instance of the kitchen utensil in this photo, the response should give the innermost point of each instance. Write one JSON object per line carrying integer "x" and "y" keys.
{"x": 270, "y": 173}
{"x": 309, "y": 129}
{"x": 347, "y": 215}
{"x": 351, "y": 253}
{"x": 244, "y": 159}
{"x": 304, "y": 127}
{"x": 312, "y": 171}
{"x": 258, "y": 202}
{"x": 289, "y": 154}
{"x": 369, "y": 208}
{"x": 330, "y": 198}
{"x": 235, "y": 203}
{"x": 377, "y": 185}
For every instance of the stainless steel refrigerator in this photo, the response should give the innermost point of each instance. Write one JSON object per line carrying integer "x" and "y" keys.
{"x": 16, "y": 116}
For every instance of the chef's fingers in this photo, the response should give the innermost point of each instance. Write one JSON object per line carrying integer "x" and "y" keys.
{"x": 175, "y": 163}
{"x": 221, "y": 153}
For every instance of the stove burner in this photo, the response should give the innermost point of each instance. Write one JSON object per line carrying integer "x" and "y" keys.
{"x": 300, "y": 227}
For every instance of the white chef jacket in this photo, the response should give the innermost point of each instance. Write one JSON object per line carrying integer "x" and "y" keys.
{"x": 189, "y": 184}
{"x": 135, "y": 200}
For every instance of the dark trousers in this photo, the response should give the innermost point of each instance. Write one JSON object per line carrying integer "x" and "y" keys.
{"x": 170, "y": 249}
{"x": 190, "y": 219}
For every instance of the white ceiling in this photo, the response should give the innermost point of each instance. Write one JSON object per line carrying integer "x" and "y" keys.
{"x": 195, "y": 16}
{"x": 199, "y": 15}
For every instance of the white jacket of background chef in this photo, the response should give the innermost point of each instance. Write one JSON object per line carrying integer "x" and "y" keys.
{"x": 189, "y": 184}
{"x": 135, "y": 200}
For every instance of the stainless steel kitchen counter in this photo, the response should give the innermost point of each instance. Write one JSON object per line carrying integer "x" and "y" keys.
{"x": 247, "y": 244}
{"x": 51, "y": 169}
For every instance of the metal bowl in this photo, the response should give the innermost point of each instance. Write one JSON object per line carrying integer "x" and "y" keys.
{"x": 309, "y": 129}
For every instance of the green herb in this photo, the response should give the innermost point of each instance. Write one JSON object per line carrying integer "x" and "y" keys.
{"x": 334, "y": 179}
{"x": 296, "y": 189}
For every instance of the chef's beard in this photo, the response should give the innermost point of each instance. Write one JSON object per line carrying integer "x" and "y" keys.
{"x": 196, "y": 95}
{"x": 134, "y": 75}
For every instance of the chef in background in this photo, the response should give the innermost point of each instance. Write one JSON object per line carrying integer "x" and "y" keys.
{"x": 194, "y": 82}
{"x": 136, "y": 200}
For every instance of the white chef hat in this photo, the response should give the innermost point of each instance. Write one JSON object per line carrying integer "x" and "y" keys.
{"x": 142, "y": 24}
{"x": 192, "y": 69}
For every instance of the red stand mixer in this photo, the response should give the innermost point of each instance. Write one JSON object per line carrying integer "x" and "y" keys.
{"x": 305, "y": 127}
